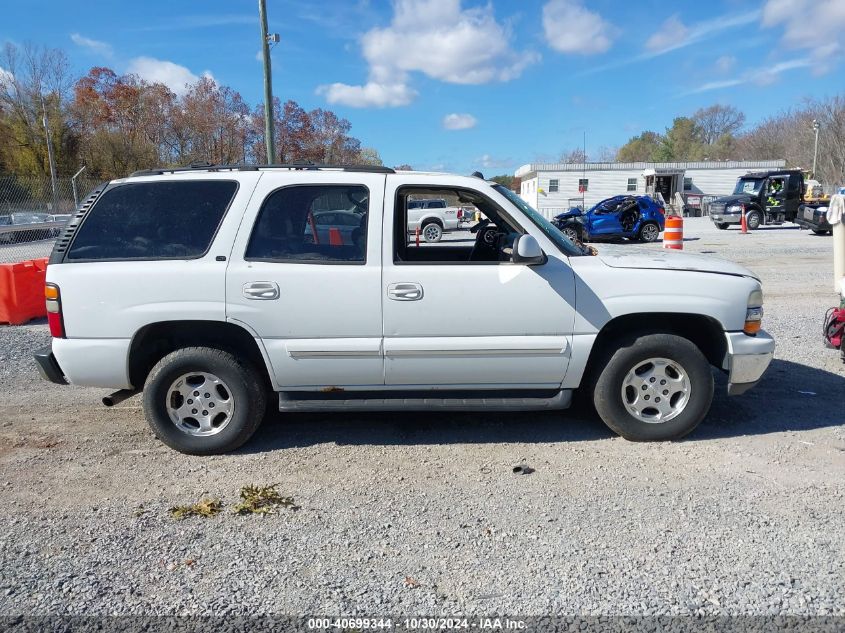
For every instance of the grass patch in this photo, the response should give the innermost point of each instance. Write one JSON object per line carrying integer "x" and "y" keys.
{"x": 202, "y": 508}
{"x": 262, "y": 500}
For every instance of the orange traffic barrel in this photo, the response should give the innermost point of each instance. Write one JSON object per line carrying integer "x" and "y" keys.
{"x": 335, "y": 238}
{"x": 673, "y": 234}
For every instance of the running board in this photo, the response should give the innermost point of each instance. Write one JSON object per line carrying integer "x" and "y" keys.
{"x": 404, "y": 401}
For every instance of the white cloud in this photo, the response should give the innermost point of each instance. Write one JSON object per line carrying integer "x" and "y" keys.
{"x": 725, "y": 63}
{"x": 693, "y": 34}
{"x": 439, "y": 39}
{"x": 186, "y": 22}
{"x": 570, "y": 27}
{"x": 670, "y": 33}
{"x": 172, "y": 75}
{"x": 491, "y": 162}
{"x": 816, "y": 25}
{"x": 764, "y": 76}
{"x": 5, "y": 76}
{"x": 457, "y": 121}
{"x": 687, "y": 36}
{"x": 95, "y": 46}
{"x": 370, "y": 95}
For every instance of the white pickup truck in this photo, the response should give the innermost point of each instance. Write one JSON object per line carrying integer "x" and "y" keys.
{"x": 198, "y": 287}
{"x": 432, "y": 216}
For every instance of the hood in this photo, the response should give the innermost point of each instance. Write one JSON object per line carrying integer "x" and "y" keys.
{"x": 619, "y": 256}
{"x": 574, "y": 212}
{"x": 742, "y": 198}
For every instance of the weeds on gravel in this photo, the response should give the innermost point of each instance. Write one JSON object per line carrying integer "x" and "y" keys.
{"x": 202, "y": 508}
{"x": 262, "y": 500}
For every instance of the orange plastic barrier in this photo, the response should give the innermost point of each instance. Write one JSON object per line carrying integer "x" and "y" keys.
{"x": 22, "y": 291}
{"x": 673, "y": 234}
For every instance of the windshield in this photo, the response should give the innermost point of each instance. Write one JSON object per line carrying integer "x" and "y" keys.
{"x": 567, "y": 246}
{"x": 748, "y": 185}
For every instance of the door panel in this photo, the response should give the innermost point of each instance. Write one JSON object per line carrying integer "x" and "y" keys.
{"x": 325, "y": 327}
{"x": 483, "y": 325}
{"x": 605, "y": 223}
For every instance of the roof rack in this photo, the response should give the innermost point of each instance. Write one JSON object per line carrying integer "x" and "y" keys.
{"x": 304, "y": 165}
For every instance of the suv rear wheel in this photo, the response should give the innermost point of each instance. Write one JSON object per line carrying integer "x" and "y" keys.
{"x": 204, "y": 401}
{"x": 653, "y": 387}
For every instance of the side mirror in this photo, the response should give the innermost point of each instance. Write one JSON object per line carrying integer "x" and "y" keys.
{"x": 527, "y": 251}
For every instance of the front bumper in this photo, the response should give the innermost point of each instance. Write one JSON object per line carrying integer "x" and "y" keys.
{"x": 747, "y": 359}
{"x": 725, "y": 218}
{"x": 48, "y": 366}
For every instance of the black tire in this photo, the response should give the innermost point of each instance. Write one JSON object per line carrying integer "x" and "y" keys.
{"x": 623, "y": 356}
{"x": 431, "y": 235}
{"x": 753, "y": 220}
{"x": 573, "y": 233}
{"x": 245, "y": 384}
{"x": 722, "y": 226}
{"x": 647, "y": 234}
{"x": 822, "y": 232}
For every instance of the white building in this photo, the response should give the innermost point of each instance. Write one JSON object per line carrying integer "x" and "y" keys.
{"x": 552, "y": 188}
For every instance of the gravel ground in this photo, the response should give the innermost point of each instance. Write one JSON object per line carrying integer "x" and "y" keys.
{"x": 421, "y": 514}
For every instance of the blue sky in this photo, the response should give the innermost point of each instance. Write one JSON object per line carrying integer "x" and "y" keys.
{"x": 458, "y": 86}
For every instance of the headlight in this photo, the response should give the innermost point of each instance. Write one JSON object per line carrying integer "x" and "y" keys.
{"x": 754, "y": 312}
{"x": 734, "y": 208}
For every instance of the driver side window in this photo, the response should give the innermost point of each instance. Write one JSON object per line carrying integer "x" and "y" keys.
{"x": 437, "y": 226}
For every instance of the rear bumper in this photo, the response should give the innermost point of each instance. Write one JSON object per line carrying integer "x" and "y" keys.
{"x": 813, "y": 225}
{"x": 48, "y": 366}
{"x": 747, "y": 359}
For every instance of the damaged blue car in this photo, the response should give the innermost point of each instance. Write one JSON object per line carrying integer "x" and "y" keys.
{"x": 633, "y": 217}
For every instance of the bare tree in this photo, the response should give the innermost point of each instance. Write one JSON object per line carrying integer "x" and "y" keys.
{"x": 576, "y": 155}
{"x": 34, "y": 84}
{"x": 714, "y": 122}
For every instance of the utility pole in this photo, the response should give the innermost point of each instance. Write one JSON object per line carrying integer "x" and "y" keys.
{"x": 50, "y": 158}
{"x": 269, "y": 138}
{"x": 816, "y": 127}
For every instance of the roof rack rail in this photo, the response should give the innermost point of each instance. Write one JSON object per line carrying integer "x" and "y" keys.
{"x": 305, "y": 165}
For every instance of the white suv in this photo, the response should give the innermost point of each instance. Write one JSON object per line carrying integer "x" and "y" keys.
{"x": 215, "y": 291}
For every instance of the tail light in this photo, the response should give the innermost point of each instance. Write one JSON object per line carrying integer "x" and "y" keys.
{"x": 460, "y": 213}
{"x": 662, "y": 210}
{"x": 54, "y": 311}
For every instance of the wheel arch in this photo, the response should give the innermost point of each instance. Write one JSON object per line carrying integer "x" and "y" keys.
{"x": 431, "y": 219}
{"x": 704, "y": 331}
{"x": 154, "y": 341}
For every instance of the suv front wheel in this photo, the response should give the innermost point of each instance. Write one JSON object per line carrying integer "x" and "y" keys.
{"x": 204, "y": 401}
{"x": 653, "y": 387}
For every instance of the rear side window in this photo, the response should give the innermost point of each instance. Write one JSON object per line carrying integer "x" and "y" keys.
{"x": 153, "y": 220}
{"x": 312, "y": 224}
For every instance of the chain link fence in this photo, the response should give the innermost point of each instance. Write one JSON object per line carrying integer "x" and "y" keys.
{"x": 33, "y": 213}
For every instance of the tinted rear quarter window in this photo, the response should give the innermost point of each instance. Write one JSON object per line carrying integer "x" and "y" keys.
{"x": 153, "y": 220}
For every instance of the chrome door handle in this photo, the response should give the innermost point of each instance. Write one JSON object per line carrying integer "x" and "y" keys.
{"x": 405, "y": 291}
{"x": 261, "y": 290}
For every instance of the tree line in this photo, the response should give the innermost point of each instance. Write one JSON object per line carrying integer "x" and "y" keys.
{"x": 718, "y": 133}
{"x": 115, "y": 124}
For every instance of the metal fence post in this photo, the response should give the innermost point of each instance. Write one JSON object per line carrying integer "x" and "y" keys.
{"x": 73, "y": 184}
